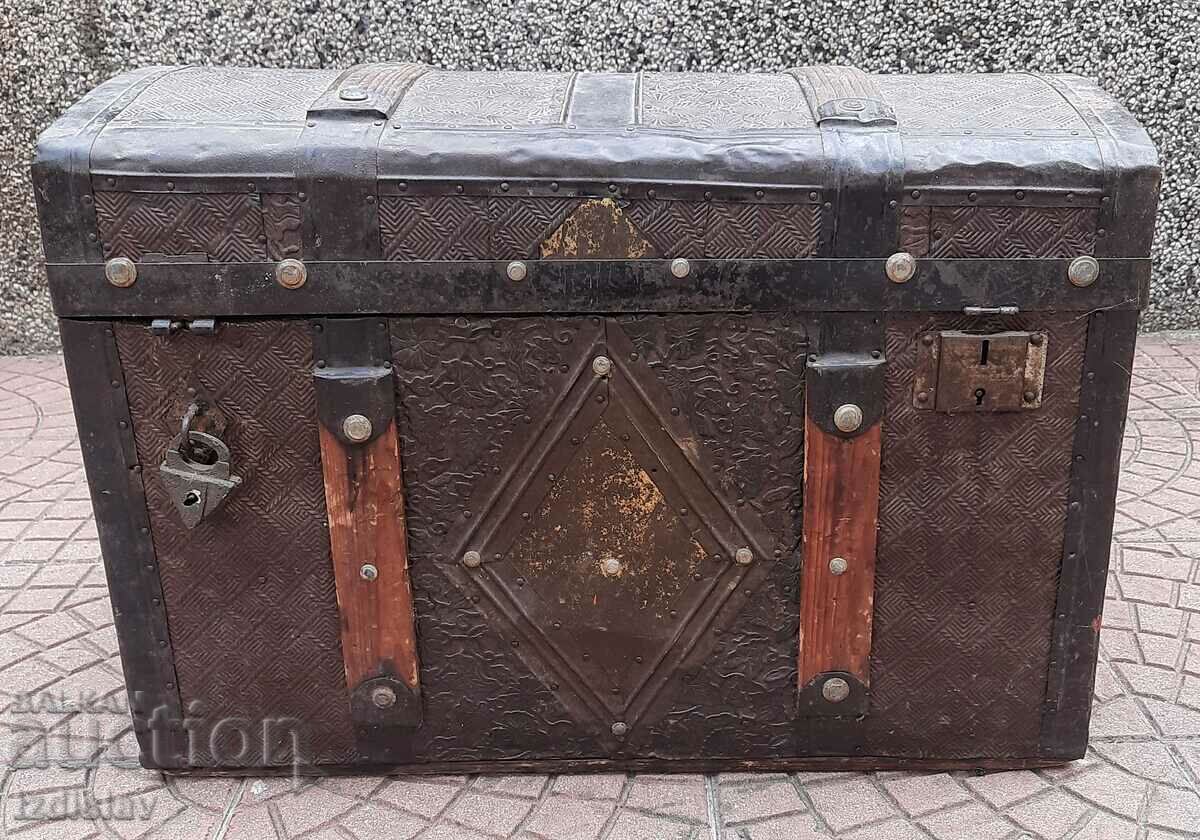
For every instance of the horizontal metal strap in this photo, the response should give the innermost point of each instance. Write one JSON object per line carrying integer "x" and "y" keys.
{"x": 186, "y": 290}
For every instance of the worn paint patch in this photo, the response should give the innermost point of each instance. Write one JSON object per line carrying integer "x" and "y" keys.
{"x": 597, "y": 229}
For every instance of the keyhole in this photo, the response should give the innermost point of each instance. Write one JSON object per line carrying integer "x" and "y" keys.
{"x": 983, "y": 354}
{"x": 979, "y": 395}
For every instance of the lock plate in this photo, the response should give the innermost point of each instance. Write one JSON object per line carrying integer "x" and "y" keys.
{"x": 960, "y": 372}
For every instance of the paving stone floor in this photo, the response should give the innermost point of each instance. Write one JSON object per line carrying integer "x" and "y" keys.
{"x": 72, "y": 774}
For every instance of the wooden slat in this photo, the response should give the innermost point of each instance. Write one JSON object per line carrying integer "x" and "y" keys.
{"x": 841, "y": 508}
{"x": 365, "y": 500}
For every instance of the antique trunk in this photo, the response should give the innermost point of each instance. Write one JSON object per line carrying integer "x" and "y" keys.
{"x": 448, "y": 421}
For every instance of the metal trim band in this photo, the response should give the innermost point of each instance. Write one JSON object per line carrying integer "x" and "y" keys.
{"x": 575, "y": 286}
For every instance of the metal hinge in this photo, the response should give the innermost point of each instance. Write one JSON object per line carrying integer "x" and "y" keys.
{"x": 976, "y": 311}
{"x": 199, "y": 326}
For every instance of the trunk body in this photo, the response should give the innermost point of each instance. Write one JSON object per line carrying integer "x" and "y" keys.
{"x": 458, "y": 422}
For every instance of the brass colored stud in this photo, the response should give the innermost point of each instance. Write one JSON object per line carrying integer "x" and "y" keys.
{"x": 291, "y": 274}
{"x": 517, "y": 271}
{"x": 680, "y": 267}
{"x": 1083, "y": 271}
{"x": 368, "y": 572}
{"x": 121, "y": 272}
{"x": 602, "y": 366}
{"x": 383, "y": 697}
{"x": 472, "y": 559}
{"x": 356, "y": 428}
{"x": 743, "y": 556}
{"x": 901, "y": 267}
{"x": 835, "y": 690}
{"x": 848, "y": 418}
{"x": 838, "y": 566}
{"x": 620, "y": 729}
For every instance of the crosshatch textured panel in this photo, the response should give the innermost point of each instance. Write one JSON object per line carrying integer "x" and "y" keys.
{"x": 1007, "y": 232}
{"x": 970, "y": 542}
{"x": 229, "y": 95}
{"x": 718, "y": 102}
{"x": 469, "y": 99}
{"x": 977, "y": 101}
{"x": 467, "y": 227}
{"x": 225, "y": 227}
{"x": 249, "y": 593}
{"x": 481, "y": 228}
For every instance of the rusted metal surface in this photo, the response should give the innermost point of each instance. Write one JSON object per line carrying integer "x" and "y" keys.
{"x": 961, "y": 371}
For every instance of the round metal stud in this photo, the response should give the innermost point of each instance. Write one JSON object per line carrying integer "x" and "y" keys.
{"x": 357, "y": 428}
{"x": 383, "y": 697}
{"x": 835, "y": 690}
{"x": 121, "y": 272}
{"x": 291, "y": 274}
{"x": 848, "y": 418}
{"x": 743, "y": 556}
{"x": 620, "y": 729}
{"x": 352, "y": 94}
{"x": 611, "y": 566}
{"x": 517, "y": 271}
{"x": 602, "y": 366}
{"x": 472, "y": 559}
{"x": 1083, "y": 271}
{"x": 368, "y": 572}
{"x": 680, "y": 267}
{"x": 901, "y": 267}
{"x": 838, "y": 566}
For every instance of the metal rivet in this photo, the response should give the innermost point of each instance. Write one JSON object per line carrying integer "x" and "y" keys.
{"x": 601, "y": 366}
{"x": 352, "y": 94}
{"x": 922, "y": 397}
{"x": 1030, "y": 396}
{"x": 901, "y": 267}
{"x": 611, "y": 566}
{"x": 1036, "y": 339}
{"x": 121, "y": 272}
{"x": 383, "y": 697}
{"x": 504, "y": 186}
{"x": 927, "y": 340}
{"x": 517, "y": 271}
{"x": 848, "y": 418}
{"x": 853, "y": 104}
{"x": 620, "y": 728}
{"x": 1083, "y": 271}
{"x": 357, "y": 428}
{"x": 743, "y": 556}
{"x": 368, "y": 572}
{"x": 291, "y": 274}
{"x": 472, "y": 559}
{"x": 835, "y": 690}
{"x": 838, "y": 566}
{"x": 680, "y": 267}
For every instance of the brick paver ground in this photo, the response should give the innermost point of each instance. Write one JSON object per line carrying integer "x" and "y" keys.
{"x": 72, "y": 774}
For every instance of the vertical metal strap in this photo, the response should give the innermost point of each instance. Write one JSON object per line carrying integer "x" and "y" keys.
{"x": 338, "y": 167}
{"x": 1087, "y": 539}
{"x": 364, "y": 495}
{"x": 845, "y": 380}
{"x": 118, "y": 499}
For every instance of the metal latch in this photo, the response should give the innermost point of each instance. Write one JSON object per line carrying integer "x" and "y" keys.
{"x": 960, "y": 372}
{"x": 197, "y": 472}
{"x": 199, "y": 326}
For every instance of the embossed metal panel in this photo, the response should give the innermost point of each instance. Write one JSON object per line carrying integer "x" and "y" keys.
{"x": 606, "y": 508}
{"x": 715, "y": 102}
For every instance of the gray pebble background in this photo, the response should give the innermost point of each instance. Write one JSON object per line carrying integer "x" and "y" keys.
{"x": 1142, "y": 51}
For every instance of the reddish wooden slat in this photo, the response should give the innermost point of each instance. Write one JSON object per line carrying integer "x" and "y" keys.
{"x": 841, "y": 507}
{"x": 365, "y": 500}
